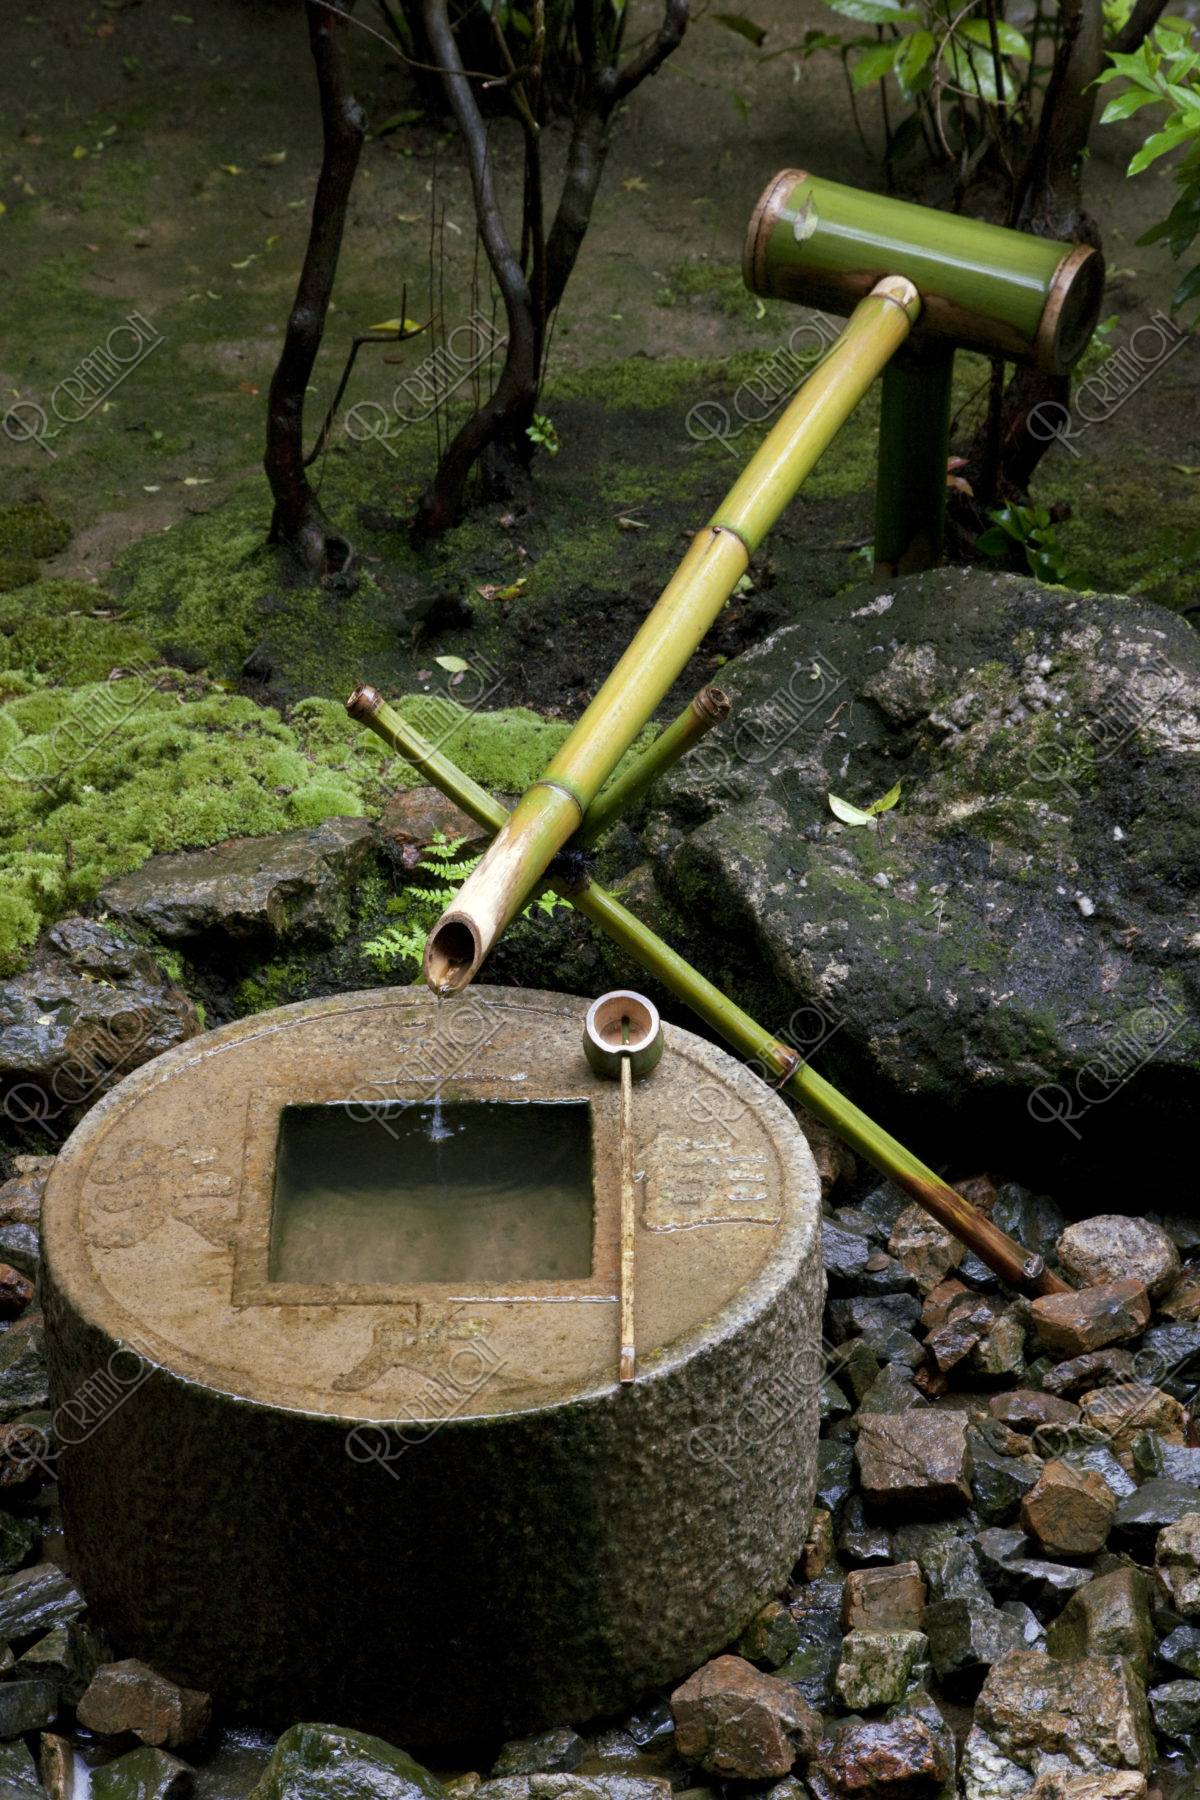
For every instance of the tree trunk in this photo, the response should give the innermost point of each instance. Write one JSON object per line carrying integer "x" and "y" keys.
{"x": 298, "y": 522}
{"x": 499, "y": 426}
{"x": 1049, "y": 202}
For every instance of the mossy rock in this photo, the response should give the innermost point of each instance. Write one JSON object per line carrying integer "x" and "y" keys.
{"x": 326, "y": 1762}
{"x": 1008, "y": 953}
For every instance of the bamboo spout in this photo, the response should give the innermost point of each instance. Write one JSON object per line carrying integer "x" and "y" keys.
{"x": 552, "y": 810}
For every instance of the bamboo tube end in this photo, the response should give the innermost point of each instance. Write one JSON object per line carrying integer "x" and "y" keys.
{"x": 364, "y": 702}
{"x": 453, "y": 951}
{"x": 713, "y": 704}
{"x": 1072, "y": 309}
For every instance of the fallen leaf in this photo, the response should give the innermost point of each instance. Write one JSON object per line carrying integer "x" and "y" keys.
{"x": 396, "y": 326}
{"x": 457, "y": 665}
{"x": 273, "y": 158}
{"x": 635, "y": 185}
{"x": 78, "y": 153}
{"x": 625, "y": 523}
{"x": 197, "y": 480}
{"x": 245, "y": 262}
{"x": 247, "y": 387}
{"x": 231, "y": 168}
{"x": 849, "y": 815}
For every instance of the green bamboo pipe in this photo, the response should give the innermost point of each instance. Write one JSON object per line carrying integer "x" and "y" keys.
{"x": 706, "y": 709}
{"x": 553, "y": 808}
{"x": 775, "y": 1061}
{"x": 914, "y": 448}
{"x": 982, "y": 286}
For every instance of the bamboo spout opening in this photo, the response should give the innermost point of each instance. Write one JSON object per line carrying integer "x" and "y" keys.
{"x": 453, "y": 952}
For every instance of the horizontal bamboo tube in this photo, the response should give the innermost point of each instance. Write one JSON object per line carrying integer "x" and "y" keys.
{"x": 706, "y": 709}
{"x": 982, "y": 286}
{"x": 1019, "y": 1267}
{"x": 553, "y": 808}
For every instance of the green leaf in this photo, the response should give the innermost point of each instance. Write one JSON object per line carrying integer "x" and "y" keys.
{"x": 889, "y": 800}
{"x": 875, "y": 12}
{"x": 993, "y": 542}
{"x": 849, "y": 815}
{"x": 872, "y": 66}
{"x": 457, "y": 665}
{"x": 1188, "y": 289}
{"x": 1126, "y": 104}
{"x": 744, "y": 27}
{"x": 1010, "y": 40}
{"x": 918, "y": 47}
{"x": 1163, "y": 141}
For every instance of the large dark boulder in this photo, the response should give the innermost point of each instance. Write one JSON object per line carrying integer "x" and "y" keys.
{"x": 1006, "y": 963}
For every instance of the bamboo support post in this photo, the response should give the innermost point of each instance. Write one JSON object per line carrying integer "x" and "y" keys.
{"x": 627, "y": 1367}
{"x": 708, "y": 708}
{"x": 779, "y": 1065}
{"x": 553, "y": 808}
{"x": 914, "y": 448}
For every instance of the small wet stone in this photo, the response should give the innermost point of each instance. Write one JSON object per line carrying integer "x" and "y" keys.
{"x": 862, "y": 1540}
{"x": 1013, "y": 1570}
{"x": 547, "y": 1753}
{"x": 818, "y": 1549}
{"x": 1177, "y": 1556}
{"x": 18, "y": 1541}
{"x": 130, "y": 1696}
{"x": 914, "y": 1458}
{"x": 734, "y": 1721}
{"x": 1070, "y": 1324}
{"x": 951, "y": 1568}
{"x": 21, "y": 1213}
{"x": 924, "y": 1248}
{"x": 1035, "y": 1714}
{"x": 884, "y": 1599}
{"x": 326, "y": 1762}
{"x": 1069, "y": 1512}
{"x": 69, "y": 1656}
{"x": 876, "y": 1667}
{"x": 35, "y": 1599}
{"x": 1122, "y": 1413}
{"x": 1175, "y": 1708}
{"x": 1143, "y": 1514}
{"x": 145, "y": 1774}
{"x": 24, "y": 1378}
{"x": 1180, "y": 1649}
{"x": 1108, "y": 1617}
{"x": 26, "y": 1706}
{"x": 769, "y": 1639}
{"x": 56, "y": 1764}
{"x": 16, "y": 1291}
{"x": 1114, "y": 1247}
{"x": 1096, "y": 1368}
{"x": 877, "y": 1758}
{"x": 999, "y": 1483}
{"x": 1114, "y": 1784}
{"x": 965, "y": 1638}
{"x": 1025, "y": 1409}
{"x": 18, "y": 1776}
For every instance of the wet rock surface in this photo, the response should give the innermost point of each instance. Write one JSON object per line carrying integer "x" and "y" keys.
{"x": 92, "y": 1006}
{"x": 291, "y": 887}
{"x": 1019, "y": 915}
{"x": 730, "y": 1719}
{"x": 129, "y": 1696}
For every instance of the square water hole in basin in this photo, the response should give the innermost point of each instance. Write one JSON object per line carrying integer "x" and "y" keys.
{"x": 408, "y": 1193}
